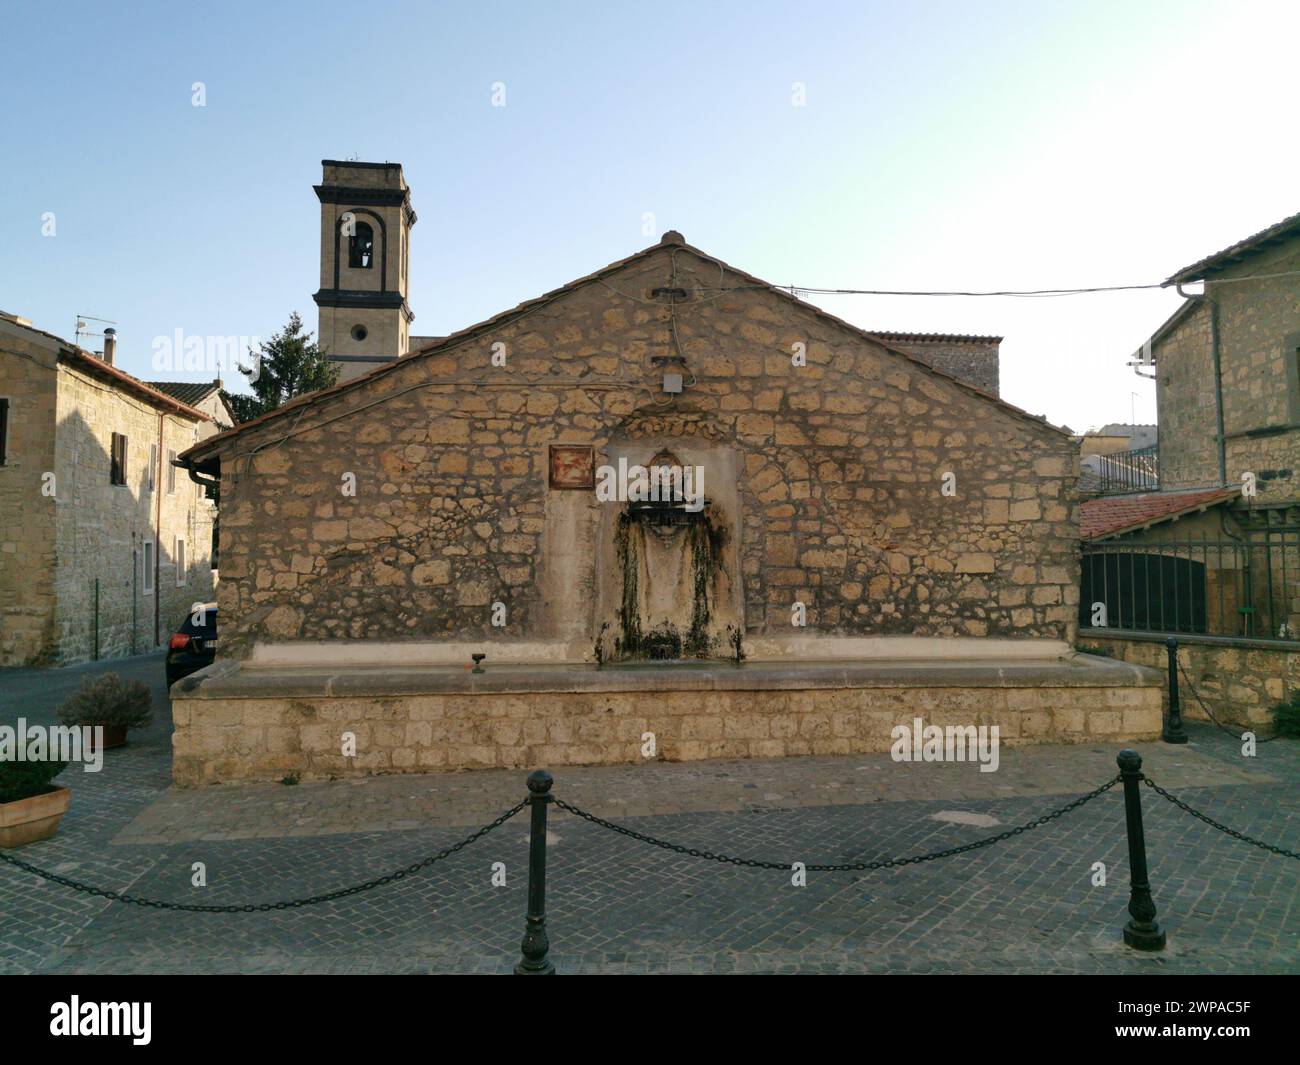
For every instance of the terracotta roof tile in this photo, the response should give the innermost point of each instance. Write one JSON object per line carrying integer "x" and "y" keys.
{"x": 1252, "y": 245}
{"x": 944, "y": 338}
{"x": 1109, "y": 515}
{"x": 186, "y": 391}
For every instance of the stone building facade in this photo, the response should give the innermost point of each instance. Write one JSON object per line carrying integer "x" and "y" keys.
{"x": 1212, "y": 556}
{"x": 99, "y": 557}
{"x": 1250, "y": 317}
{"x": 853, "y": 489}
{"x": 857, "y": 531}
{"x": 973, "y": 359}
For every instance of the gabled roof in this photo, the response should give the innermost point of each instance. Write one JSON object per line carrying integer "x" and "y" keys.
{"x": 1123, "y": 428}
{"x": 95, "y": 366}
{"x": 670, "y": 239}
{"x": 939, "y": 338}
{"x": 187, "y": 391}
{"x": 1276, "y": 234}
{"x": 1111, "y": 515}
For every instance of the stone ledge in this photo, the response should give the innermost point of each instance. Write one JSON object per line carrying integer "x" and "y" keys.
{"x": 1246, "y": 643}
{"x": 233, "y": 680}
{"x": 403, "y": 654}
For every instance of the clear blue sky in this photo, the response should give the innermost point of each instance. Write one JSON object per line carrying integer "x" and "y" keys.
{"x": 941, "y": 146}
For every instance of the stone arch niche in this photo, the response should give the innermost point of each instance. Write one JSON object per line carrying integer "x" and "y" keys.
{"x": 667, "y": 570}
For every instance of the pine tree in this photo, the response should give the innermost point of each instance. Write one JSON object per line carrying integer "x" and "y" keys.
{"x": 288, "y": 365}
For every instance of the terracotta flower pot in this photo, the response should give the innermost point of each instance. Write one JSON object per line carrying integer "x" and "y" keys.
{"x": 114, "y": 736}
{"x": 33, "y": 818}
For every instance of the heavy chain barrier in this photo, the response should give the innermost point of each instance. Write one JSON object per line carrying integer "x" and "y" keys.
{"x": 1142, "y": 932}
{"x": 261, "y": 907}
{"x": 847, "y": 867}
{"x": 1210, "y": 713}
{"x": 1215, "y": 824}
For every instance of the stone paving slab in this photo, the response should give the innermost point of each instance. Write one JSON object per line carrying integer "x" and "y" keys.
{"x": 617, "y": 905}
{"x": 406, "y": 801}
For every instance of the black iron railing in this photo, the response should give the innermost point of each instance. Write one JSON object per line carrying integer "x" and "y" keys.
{"x": 1129, "y": 471}
{"x": 1247, "y": 588}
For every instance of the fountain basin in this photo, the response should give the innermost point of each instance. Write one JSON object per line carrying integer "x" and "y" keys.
{"x": 238, "y": 721}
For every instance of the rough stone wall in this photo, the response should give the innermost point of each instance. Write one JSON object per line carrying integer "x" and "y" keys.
{"x": 1240, "y": 684}
{"x": 101, "y": 527}
{"x": 974, "y": 361}
{"x": 230, "y": 739}
{"x": 1259, "y": 331}
{"x": 841, "y": 467}
{"x": 27, "y": 380}
{"x": 1185, "y": 402}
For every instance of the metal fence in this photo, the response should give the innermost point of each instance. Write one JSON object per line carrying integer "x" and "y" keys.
{"x": 1248, "y": 588}
{"x": 1129, "y": 471}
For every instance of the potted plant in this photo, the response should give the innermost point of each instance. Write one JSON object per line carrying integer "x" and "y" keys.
{"x": 109, "y": 702}
{"x": 1286, "y": 717}
{"x": 30, "y": 807}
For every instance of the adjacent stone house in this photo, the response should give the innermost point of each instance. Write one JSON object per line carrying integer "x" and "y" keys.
{"x": 1227, "y": 368}
{"x": 1213, "y": 553}
{"x": 973, "y": 359}
{"x": 104, "y": 545}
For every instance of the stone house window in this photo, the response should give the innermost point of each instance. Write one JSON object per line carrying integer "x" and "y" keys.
{"x": 361, "y": 247}
{"x": 182, "y": 570}
{"x": 153, "y": 466}
{"x": 117, "y": 467}
{"x": 4, "y": 430}
{"x": 146, "y": 559}
{"x": 171, "y": 473}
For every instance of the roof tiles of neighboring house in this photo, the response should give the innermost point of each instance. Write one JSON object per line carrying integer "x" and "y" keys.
{"x": 950, "y": 338}
{"x": 1110, "y": 515}
{"x": 96, "y": 366}
{"x": 187, "y": 391}
{"x": 146, "y": 390}
{"x": 1243, "y": 249}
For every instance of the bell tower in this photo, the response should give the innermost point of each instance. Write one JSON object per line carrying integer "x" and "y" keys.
{"x": 365, "y": 231}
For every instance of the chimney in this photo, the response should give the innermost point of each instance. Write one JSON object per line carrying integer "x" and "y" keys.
{"x": 110, "y": 345}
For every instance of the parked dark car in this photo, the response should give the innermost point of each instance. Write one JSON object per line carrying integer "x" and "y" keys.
{"x": 194, "y": 645}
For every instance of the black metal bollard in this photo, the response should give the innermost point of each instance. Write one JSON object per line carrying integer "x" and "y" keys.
{"x": 1142, "y": 932}
{"x": 1173, "y": 731}
{"x": 536, "y": 944}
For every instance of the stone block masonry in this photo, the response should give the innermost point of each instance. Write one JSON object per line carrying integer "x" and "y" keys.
{"x": 74, "y": 545}
{"x": 238, "y": 724}
{"x": 1241, "y": 681}
{"x": 839, "y": 464}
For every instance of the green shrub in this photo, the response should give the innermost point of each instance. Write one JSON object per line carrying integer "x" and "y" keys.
{"x": 1286, "y": 716}
{"x": 109, "y": 700}
{"x": 21, "y": 780}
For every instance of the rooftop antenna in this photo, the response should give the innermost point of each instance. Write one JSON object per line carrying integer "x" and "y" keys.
{"x": 83, "y": 330}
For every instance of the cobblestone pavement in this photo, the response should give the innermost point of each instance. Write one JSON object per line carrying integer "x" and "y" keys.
{"x": 619, "y": 905}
